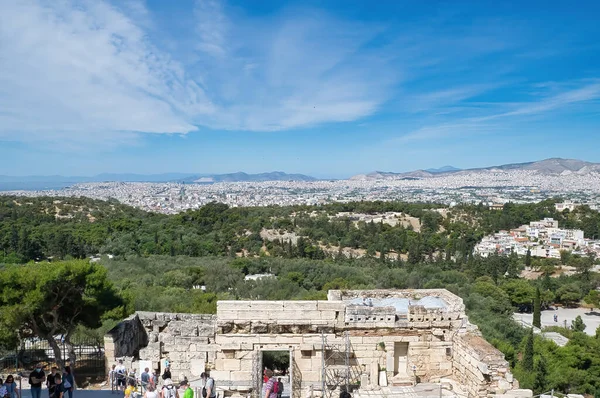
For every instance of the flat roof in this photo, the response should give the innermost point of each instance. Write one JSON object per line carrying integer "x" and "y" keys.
{"x": 401, "y": 304}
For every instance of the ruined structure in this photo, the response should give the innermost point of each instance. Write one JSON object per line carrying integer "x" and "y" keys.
{"x": 366, "y": 340}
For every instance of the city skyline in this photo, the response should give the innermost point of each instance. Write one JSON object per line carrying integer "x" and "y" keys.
{"x": 329, "y": 90}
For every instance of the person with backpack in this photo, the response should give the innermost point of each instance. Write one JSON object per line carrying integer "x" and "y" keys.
{"x": 68, "y": 381}
{"x": 169, "y": 390}
{"x": 272, "y": 386}
{"x": 208, "y": 391}
{"x": 121, "y": 373}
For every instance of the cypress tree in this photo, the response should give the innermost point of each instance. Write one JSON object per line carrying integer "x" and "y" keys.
{"x": 527, "y": 361}
{"x": 537, "y": 309}
{"x": 528, "y": 258}
{"x": 539, "y": 385}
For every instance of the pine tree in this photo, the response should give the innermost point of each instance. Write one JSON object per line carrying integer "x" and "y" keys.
{"x": 537, "y": 309}
{"x": 528, "y": 258}
{"x": 527, "y": 362}
{"x": 578, "y": 325}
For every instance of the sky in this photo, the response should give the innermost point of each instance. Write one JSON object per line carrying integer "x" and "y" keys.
{"x": 325, "y": 88}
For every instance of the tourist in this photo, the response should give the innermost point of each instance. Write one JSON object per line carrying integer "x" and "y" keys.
{"x": 51, "y": 381}
{"x": 167, "y": 373}
{"x": 11, "y": 387}
{"x": 121, "y": 373}
{"x": 169, "y": 390}
{"x": 272, "y": 386}
{"x": 112, "y": 378}
{"x": 59, "y": 388}
{"x": 3, "y": 389}
{"x": 150, "y": 392}
{"x": 155, "y": 378}
{"x": 68, "y": 381}
{"x": 208, "y": 391}
{"x": 36, "y": 378}
{"x": 280, "y": 387}
{"x": 145, "y": 379}
{"x": 185, "y": 385}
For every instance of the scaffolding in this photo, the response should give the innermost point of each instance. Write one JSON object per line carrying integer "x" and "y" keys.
{"x": 337, "y": 370}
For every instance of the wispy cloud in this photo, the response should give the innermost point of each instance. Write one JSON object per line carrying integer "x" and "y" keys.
{"x": 88, "y": 71}
{"x": 500, "y": 116}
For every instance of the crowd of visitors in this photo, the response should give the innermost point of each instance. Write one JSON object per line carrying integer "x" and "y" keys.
{"x": 149, "y": 385}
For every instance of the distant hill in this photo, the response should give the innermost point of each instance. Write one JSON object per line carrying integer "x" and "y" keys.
{"x": 10, "y": 183}
{"x": 244, "y": 177}
{"x": 445, "y": 169}
{"x": 552, "y": 166}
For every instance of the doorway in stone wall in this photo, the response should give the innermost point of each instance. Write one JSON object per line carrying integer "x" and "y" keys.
{"x": 280, "y": 362}
{"x": 401, "y": 359}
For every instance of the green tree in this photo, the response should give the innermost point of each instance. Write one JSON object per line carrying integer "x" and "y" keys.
{"x": 540, "y": 370}
{"x": 528, "y": 258}
{"x": 577, "y": 324}
{"x": 527, "y": 361}
{"x": 593, "y": 298}
{"x": 51, "y": 299}
{"x": 537, "y": 309}
{"x": 520, "y": 291}
{"x": 569, "y": 294}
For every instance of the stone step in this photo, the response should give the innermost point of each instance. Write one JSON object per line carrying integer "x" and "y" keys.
{"x": 402, "y": 381}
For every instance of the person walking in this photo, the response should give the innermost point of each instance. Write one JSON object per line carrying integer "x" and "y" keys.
{"x": 272, "y": 386}
{"x": 36, "y": 378}
{"x": 121, "y": 374}
{"x": 188, "y": 392}
{"x": 11, "y": 387}
{"x": 68, "y": 381}
{"x": 208, "y": 391}
{"x": 112, "y": 378}
{"x": 169, "y": 390}
{"x": 145, "y": 379}
{"x": 151, "y": 392}
{"x": 59, "y": 388}
{"x": 51, "y": 381}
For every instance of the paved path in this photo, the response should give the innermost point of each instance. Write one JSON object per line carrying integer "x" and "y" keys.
{"x": 79, "y": 394}
{"x": 590, "y": 318}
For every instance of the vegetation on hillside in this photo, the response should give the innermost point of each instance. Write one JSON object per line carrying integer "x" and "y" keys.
{"x": 159, "y": 263}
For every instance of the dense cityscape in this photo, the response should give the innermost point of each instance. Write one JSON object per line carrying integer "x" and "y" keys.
{"x": 490, "y": 187}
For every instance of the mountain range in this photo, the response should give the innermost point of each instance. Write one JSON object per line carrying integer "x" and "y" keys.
{"x": 552, "y": 166}
{"x": 11, "y": 183}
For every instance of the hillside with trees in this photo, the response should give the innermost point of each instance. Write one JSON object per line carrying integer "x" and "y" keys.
{"x": 156, "y": 262}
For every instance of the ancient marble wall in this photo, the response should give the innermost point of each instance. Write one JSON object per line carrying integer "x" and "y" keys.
{"x": 416, "y": 344}
{"x": 480, "y": 367}
{"x": 186, "y": 340}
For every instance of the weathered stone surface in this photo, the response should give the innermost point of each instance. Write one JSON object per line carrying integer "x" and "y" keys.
{"x": 434, "y": 343}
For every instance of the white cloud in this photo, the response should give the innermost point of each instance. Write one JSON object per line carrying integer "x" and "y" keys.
{"x": 501, "y": 116}
{"x": 297, "y": 70}
{"x": 87, "y": 71}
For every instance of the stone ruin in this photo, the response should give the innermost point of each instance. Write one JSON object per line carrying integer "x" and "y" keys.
{"x": 370, "y": 340}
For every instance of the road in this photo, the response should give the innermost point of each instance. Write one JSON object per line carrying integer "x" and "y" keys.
{"x": 590, "y": 318}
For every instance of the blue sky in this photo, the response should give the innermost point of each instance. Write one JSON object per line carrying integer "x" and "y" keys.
{"x": 328, "y": 88}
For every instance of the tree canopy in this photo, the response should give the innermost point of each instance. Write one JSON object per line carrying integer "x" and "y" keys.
{"x": 49, "y": 300}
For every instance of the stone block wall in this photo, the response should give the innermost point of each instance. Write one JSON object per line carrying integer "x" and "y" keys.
{"x": 279, "y": 317}
{"x": 186, "y": 340}
{"x": 436, "y": 344}
{"x": 480, "y": 367}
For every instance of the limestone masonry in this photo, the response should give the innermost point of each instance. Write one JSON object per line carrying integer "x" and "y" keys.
{"x": 368, "y": 340}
